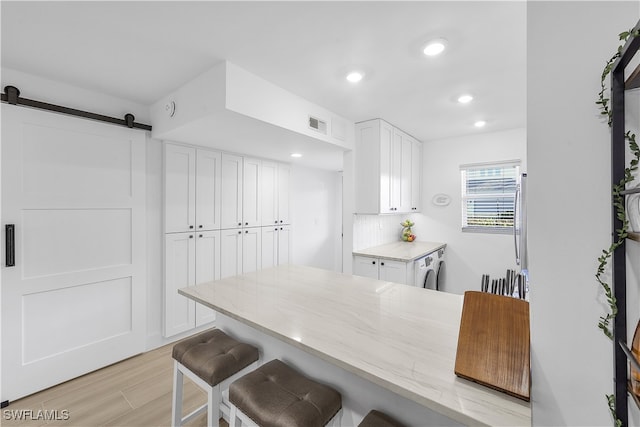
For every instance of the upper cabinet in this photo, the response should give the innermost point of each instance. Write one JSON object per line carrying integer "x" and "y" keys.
{"x": 275, "y": 193}
{"x": 388, "y": 169}
{"x": 232, "y": 186}
{"x": 251, "y": 193}
{"x": 192, "y": 189}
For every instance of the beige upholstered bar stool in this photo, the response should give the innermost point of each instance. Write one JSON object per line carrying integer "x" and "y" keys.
{"x": 379, "y": 419}
{"x": 275, "y": 395}
{"x": 212, "y": 360}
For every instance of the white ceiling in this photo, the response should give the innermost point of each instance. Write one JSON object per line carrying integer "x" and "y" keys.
{"x": 141, "y": 51}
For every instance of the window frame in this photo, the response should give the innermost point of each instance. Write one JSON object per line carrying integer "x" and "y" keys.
{"x": 466, "y": 197}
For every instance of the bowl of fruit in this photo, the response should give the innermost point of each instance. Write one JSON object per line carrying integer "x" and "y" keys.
{"x": 407, "y": 234}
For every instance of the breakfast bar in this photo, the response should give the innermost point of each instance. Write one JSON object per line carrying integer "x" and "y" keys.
{"x": 374, "y": 335}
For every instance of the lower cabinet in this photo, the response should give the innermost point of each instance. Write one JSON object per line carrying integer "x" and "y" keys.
{"x": 190, "y": 258}
{"x": 382, "y": 269}
{"x": 276, "y": 242}
{"x": 203, "y": 256}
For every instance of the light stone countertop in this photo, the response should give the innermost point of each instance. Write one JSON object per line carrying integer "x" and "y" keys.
{"x": 401, "y": 251}
{"x": 399, "y": 337}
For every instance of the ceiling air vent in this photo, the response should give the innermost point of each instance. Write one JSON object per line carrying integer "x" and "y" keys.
{"x": 318, "y": 125}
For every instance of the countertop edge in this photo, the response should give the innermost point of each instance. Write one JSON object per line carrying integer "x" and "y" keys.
{"x": 371, "y": 252}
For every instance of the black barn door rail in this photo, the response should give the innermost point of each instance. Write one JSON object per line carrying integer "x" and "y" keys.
{"x": 11, "y": 95}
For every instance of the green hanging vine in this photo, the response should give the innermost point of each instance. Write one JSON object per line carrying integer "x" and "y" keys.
{"x": 604, "y": 323}
{"x": 618, "y": 199}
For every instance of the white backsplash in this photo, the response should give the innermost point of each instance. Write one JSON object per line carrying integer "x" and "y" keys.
{"x": 374, "y": 230}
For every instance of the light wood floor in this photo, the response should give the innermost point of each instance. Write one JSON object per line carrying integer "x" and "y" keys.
{"x": 134, "y": 392}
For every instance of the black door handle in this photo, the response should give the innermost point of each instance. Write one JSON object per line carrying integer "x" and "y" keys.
{"x": 10, "y": 245}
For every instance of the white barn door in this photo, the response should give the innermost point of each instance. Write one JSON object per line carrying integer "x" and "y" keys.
{"x": 75, "y": 299}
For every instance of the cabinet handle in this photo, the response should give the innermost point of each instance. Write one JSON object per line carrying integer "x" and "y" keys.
{"x": 280, "y": 228}
{"x": 246, "y": 223}
{"x": 382, "y": 263}
{"x": 373, "y": 262}
{"x": 276, "y": 221}
{"x": 10, "y": 245}
{"x": 200, "y": 226}
{"x": 191, "y": 227}
{"x": 239, "y": 224}
{"x": 280, "y": 221}
{"x": 246, "y": 231}
{"x": 239, "y": 232}
{"x": 200, "y": 236}
{"x": 191, "y": 236}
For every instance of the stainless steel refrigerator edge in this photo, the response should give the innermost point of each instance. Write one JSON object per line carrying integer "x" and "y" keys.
{"x": 520, "y": 226}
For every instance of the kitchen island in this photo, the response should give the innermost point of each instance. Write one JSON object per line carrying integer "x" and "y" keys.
{"x": 377, "y": 337}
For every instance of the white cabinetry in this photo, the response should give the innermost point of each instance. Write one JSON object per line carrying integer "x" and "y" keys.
{"x": 251, "y": 249}
{"x": 231, "y": 193}
{"x": 231, "y": 252}
{"x": 192, "y": 183}
{"x": 192, "y": 189}
{"x": 207, "y": 268}
{"x": 214, "y": 207}
{"x": 208, "y": 186}
{"x": 179, "y": 272}
{"x": 383, "y": 269}
{"x": 276, "y": 242}
{"x": 387, "y": 174}
{"x": 275, "y": 193}
{"x": 190, "y": 258}
{"x": 416, "y": 175}
{"x": 251, "y": 192}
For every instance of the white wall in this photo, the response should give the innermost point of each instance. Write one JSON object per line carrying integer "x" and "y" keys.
{"x": 468, "y": 255}
{"x": 316, "y": 198}
{"x": 568, "y": 156}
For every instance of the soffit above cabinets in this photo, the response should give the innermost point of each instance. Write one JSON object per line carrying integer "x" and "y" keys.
{"x": 231, "y": 109}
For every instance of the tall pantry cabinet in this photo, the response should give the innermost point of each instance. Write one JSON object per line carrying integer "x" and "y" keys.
{"x": 225, "y": 215}
{"x": 192, "y": 184}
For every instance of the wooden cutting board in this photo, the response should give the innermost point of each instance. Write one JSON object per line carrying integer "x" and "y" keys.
{"x": 494, "y": 343}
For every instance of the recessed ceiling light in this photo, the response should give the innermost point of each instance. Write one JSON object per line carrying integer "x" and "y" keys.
{"x": 465, "y": 99}
{"x": 355, "y": 76}
{"x": 435, "y": 47}
{"x": 296, "y": 155}
{"x": 480, "y": 123}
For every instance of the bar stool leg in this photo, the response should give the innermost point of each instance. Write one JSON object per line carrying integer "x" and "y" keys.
{"x": 176, "y": 408}
{"x": 213, "y": 411}
{"x": 233, "y": 416}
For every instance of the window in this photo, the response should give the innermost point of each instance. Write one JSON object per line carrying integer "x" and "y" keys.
{"x": 488, "y": 196}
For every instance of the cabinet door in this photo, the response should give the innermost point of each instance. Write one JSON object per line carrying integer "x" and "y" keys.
{"x": 365, "y": 266}
{"x": 269, "y": 193}
{"x": 207, "y": 269}
{"x": 208, "y": 176}
{"x": 396, "y": 171}
{"x": 179, "y": 311}
{"x": 284, "y": 244}
{"x": 179, "y": 188}
{"x": 269, "y": 256}
{"x": 230, "y": 252}
{"x": 251, "y": 249}
{"x": 231, "y": 192}
{"x": 284, "y": 179}
{"x": 251, "y": 193}
{"x": 386, "y": 161}
{"x": 416, "y": 176}
{"x": 393, "y": 271}
{"x": 404, "y": 173}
